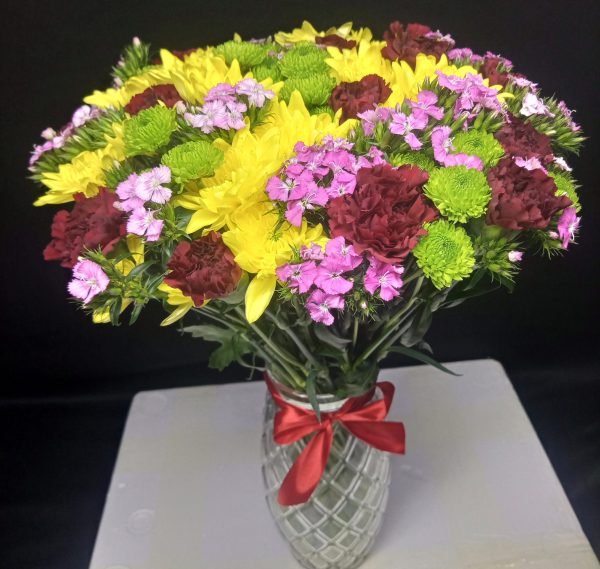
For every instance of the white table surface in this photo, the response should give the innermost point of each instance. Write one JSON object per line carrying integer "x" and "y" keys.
{"x": 475, "y": 489}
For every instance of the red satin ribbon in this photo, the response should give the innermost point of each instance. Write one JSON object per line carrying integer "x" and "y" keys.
{"x": 364, "y": 419}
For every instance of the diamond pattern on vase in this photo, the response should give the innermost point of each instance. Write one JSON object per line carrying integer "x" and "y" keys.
{"x": 337, "y": 527}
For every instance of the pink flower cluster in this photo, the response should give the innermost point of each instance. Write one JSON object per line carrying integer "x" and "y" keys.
{"x": 225, "y": 105}
{"x": 135, "y": 192}
{"x": 318, "y": 174}
{"x": 473, "y": 95}
{"x": 404, "y": 124}
{"x": 55, "y": 139}
{"x": 324, "y": 277}
{"x": 442, "y": 147}
{"x": 88, "y": 280}
{"x": 533, "y": 105}
{"x": 464, "y": 53}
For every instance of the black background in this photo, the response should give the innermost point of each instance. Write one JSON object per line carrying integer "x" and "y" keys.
{"x": 66, "y": 383}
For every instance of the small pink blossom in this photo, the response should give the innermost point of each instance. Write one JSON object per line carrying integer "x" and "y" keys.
{"x": 128, "y": 193}
{"x": 426, "y": 104}
{"x": 314, "y": 252}
{"x": 532, "y": 163}
{"x": 329, "y": 277}
{"x": 533, "y": 105}
{"x": 142, "y": 222}
{"x": 342, "y": 254}
{"x": 212, "y": 115}
{"x": 523, "y": 82}
{"x": 315, "y": 196}
{"x": 372, "y": 117}
{"x": 319, "y": 306}
{"x": 568, "y": 224}
{"x": 299, "y": 277}
{"x": 88, "y": 280}
{"x": 515, "y": 256}
{"x": 562, "y": 164}
{"x": 404, "y": 125}
{"x": 84, "y": 114}
{"x": 150, "y": 188}
{"x": 568, "y": 114}
{"x": 384, "y": 277}
{"x": 441, "y": 142}
{"x": 222, "y": 92}
{"x": 256, "y": 93}
{"x": 467, "y": 160}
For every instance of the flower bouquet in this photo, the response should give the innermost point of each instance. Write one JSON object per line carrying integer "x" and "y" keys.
{"x": 307, "y": 201}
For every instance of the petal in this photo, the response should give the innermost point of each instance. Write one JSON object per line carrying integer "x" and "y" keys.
{"x": 258, "y": 295}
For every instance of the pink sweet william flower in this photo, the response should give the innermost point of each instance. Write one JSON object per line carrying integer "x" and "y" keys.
{"x": 467, "y": 160}
{"x": 342, "y": 184}
{"x": 384, "y": 277}
{"x": 319, "y": 306}
{"x": 515, "y": 256}
{"x": 315, "y": 196}
{"x": 342, "y": 254}
{"x": 88, "y": 280}
{"x": 212, "y": 115}
{"x": 298, "y": 277}
{"x": 235, "y": 114}
{"x": 222, "y": 92}
{"x": 84, "y": 114}
{"x": 329, "y": 277}
{"x": 533, "y": 105}
{"x": 127, "y": 190}
{"x": 314, "y": 252}
{"x": 426, "y": 104}
{"x": 372, "y": 117}
{"x": 143, "y": 223}
{"x": 441, "y": 142}
{"x": 568, "y": 224}
{"x": 403, "y": 125}
{"x": 532, "y": 163}
{"x": 562, "y": 164}
{"x": 256, "y": 93}
{"x": 150, "y": 188}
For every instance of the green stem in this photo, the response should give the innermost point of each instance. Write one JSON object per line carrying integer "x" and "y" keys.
{"x": 355, "y": 333}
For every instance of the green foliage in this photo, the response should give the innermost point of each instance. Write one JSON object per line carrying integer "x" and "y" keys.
{"x": 268, "y": 69}
{"x": 480, "y": 144}
{"x": 445, "y": 254}
{"x": 149, "y": 130}
{"x": 566, "y": 187}
{"x": 315, "y": 89}
{"x": 419, "y": 159}
{"x": 193, "y": 160}
{"x": 322, "y": 110}
{"x": 493, "y": 255}
{"x": 119, "y": 173}
{"x": 304, "y": 60}
{"x": 134, "y": 59}
{"x": 459, "y": 192}
{"x": 247, "y": 54}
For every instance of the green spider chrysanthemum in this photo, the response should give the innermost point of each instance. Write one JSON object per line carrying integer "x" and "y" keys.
{"x": 445, "y": 254}
{"x": 248, "y": 54}
{"x": 304, "y": 60}
{"x": 315, "y": 89}
{"x": 480, "y": 144}
{"x": 322, "y": 110}
{"x": 417, "y": 158}
{"x": 268, "y": 69}
{"x": 150, "y": 129}
{"x": 193, "y": 160}
{"x": 566, "y": 187}
{"x": 458, "y": 192}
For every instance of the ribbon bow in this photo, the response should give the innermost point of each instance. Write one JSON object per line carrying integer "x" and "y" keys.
{"x": 359, "y": 415}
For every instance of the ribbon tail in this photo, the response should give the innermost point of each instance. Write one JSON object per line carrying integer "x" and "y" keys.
{"x": 302, "y": 479}
{"x": 389, "y": 436}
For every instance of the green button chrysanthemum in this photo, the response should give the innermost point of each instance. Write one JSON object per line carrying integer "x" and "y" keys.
{"x": 248, "y": 54}
{"x": 417, "y": 158}
{"x": 268, "y": 69}
{"x": 304, "y": 60}
{"x": 445, "y": 254}
{"x": 193, "y": 160}
{"x": 566, "y": 187}
{"x": 315, "y": 89}
{"x": 458, "y": 192}
{"x": 150, "y": 129}
{"x": 480, "y": 144}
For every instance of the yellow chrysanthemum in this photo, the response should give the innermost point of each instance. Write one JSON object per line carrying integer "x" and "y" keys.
{"x": 176, "y": 298}
{"x": 308, "y": 33}
{"x": 118, "y": 98}
{"x": 136, "y": 247}
{"x": 84, "y": 174}
{"x": 364, "y": 59}
{"x": 252, "y": 159}
{"x": 259, "y": 250}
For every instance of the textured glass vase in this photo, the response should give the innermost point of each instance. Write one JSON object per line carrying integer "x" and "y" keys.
{"x": 337, "y": 526}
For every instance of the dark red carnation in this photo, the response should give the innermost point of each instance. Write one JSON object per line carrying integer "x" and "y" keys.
{"x": 519, "y": 138}
{"x": 92, "y": 223}
{"x": 386, "y": 212}
{"x": 489, "y": 70}
{"x": 404, "y": 43}
{"x": 203, "y": 269}
{"x": 359, "y": 96}
{"x": 334, "y": 40}
{"x": 521, "y": 198}
{"x": 150, "y": 97}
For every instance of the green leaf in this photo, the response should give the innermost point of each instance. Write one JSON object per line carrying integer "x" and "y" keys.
{"x": 115, "y": 312}
{"x": 237, "y": 296}
{"x": 311, "y": 391}
{"x": 137, "y": 309}
{"x": 230, "y": 351}
{"x": 209, "y": 332}
{"x": 422, "y": 358}
{"x": 328, "y": 337}
{"x": 139, "y": 269}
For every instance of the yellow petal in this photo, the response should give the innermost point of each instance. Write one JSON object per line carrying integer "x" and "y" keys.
{"x": 178, "y": 313}
{"x": 258, "y": 295}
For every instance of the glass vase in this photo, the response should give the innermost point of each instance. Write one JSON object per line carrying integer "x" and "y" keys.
{"x": 336, "y": 528}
